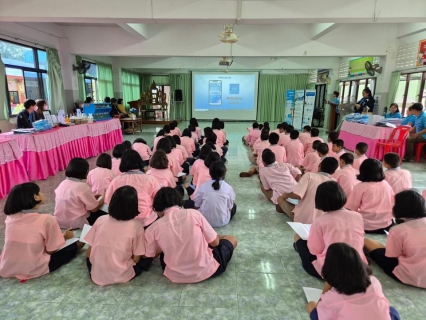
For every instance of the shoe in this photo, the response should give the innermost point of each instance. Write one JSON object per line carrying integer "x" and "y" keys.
{"x": 246, "y": 174}
{"x": 295, "y": 247}
{"x": 406, "y": 160}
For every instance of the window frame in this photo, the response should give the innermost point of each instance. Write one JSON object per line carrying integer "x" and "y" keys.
{"x": 407, "y": 86}
{"x": 91, "y": 78}
{"x": 357, "y": 87}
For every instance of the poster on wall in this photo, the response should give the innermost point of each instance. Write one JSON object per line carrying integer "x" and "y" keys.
{"x": 377, "y": 98}
{"x": 289, "y": 106}
{"x": 309, "y": 108}
{"x": 357, "y": 67}
{"x": 299, "y": 103}
{"x": 421, "y": 54}
{"x": 323, "y": 75}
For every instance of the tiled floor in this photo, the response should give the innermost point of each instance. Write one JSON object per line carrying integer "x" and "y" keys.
{"x": 264, "y": 279}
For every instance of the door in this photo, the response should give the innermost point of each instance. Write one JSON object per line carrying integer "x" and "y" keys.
{"x": 318, "y": 117}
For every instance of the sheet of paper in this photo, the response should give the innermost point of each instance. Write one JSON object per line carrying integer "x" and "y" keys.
{"x": 312, "y": 294}
{"x": 301, "y": 229}
{"x": 180, "y": 174}
{"x": 387, "y": 233}
{"x": 84, "y": 232}
{"x": 293, "y": 201}
{"x": 104, "y": 208}
{"x": 69, "y": 242}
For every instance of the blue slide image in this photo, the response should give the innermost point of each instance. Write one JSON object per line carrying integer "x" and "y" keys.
{"x": 234, "y": 88}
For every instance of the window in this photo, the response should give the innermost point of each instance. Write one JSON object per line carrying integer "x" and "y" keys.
{"x": 26, "y": 74}
{"x": 351, "y": 90}
{"x": 91, "y": 81}
{"x": 411, "y": 89}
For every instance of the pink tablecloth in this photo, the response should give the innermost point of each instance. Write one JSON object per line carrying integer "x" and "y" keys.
{"x": 352, "y": 133}
{"x": 12, "y": 169}
{"x": 47, "y": 153}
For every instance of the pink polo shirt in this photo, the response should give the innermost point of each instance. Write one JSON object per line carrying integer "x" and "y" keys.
{"x": 284, "y": 139}
{"x": 28, "y": 237}
{"x": 258, "y": 149}
{"x": 202, "y": 176}
{"x": 146, "y": 186}
{"x": 183, "y": 235}
{"x": 174, "y": 164}
{"x": 278, "y": 177}
{"x": 198, "y": 132}
{"x": 330, "y": 146}
{"x": 99, "y": 179}
{"x": 114, "y": 243}
{"x": 115, "y": 168}
{"x": 221, "y": 138}
{"x": 369, "y": 305}
{"x": 399, "y": 179}
{"x": 182, "y": 149}
{"x": 194, "y": 169}
{"x": 335, "y": 226}
{"x": 374, "y": 200}
{"x": 73, "y": 200}
{"x": 406, "y": 241}
{"x": 194, "y": 136}
{"x": 144, "y": 151}
{"x": 304, "y": 136}
{"x": 306, "y": 188}
{"x": 253, "y": 136}
{"x": 175, "y": 132}
{"x": 310, "y": 161}
{"x": 188, "y": 143}
{"x": 308, "y": 144}
{"x": 346, "y": 178}
{"x": 279, "y": 151}
{"x": 156, "y": 139}
{"x": 336, "y": 155}
{"x": 164, "y": 177}
{"x": 218, "y": 150}
{"x": 295, "y": 152}
{"x": 178, "y": 155}
{"x": 358, "y": 161}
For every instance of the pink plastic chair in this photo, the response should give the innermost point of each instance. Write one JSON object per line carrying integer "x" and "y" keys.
{"x": 401, "y": 133}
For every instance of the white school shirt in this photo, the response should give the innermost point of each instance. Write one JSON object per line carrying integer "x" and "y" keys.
{"x": 214, "y": 204}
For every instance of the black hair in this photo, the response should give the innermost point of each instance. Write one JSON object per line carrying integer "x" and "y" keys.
{"x": 131, "y": 160}
{"x": 222, "y": 125}
{"x": 284, "y": 124}
{"x": 160, "y": 133}
{"x": 165, "y": 198}
{"x": 289, "y": 128}
{"x": 193, "y": 121}
{"x": 124, "y": 204}
{"x": 21, "y": 197}
{"x": 172, "y": 125}
{"x": 336, "y": 93}
{"x": 113, "y": 100}
{"x": 177, "y": 139}
{"x": 104, "y": 161}
{"x": 339, "y": 142}
{"x": 159, "y": 160}
{"x": 323, "y": 149}
{"x": 29, "y": 103}
{"x": 107, "y": 99}
{"x": 172, "y": 141}
{"x": 207, "y": 131}
{"x": 118, "y": 151}
{"x": 330, "y": 197}
{"x": 205, "y": 150}
{"x": 264, "y": 135}
{"x": 211, "y": 145}
{"x": 371, "y": 170}
{"x": 396, "y": 105}
{"x": 348, "y": 158}
{"x": 215, "y": 120}
{"x": 88, "y": 100}
{"x": 268, "y": 157}
{"x": 417, "y": 106}
{"x": 333, "y": 135}
{"x": 217, "y": 171}
{"x": 392, "y": 159}
{"x": 274, "y": 138}
{"x": 409, "y": 199}
{"x": 307, "y": 128}
{"x": 127, "y": 144}
{"x": 315, "y": 144}
{"x": 367, "y": 91}
{"x": 260, "y": 126}
{"x": 211, "y": 157}
{"x": 362, "y": 147}
{"x": 192, "y": 128}
{"x": 266, "y": 125}
{"x": 255, "y": 125}
{"x": 314, "y": 132}
{"x": 139, "y": 140}
{"x": 279, "y": 126}
{"x": 212, "y": 137}
{"x": 294, "y": 134}
{"x": 165, "y": 145}
{"x": 329, "y": 165}
{"x": 216, "y": 125}
{"x": 119, "y": 101}
{"x": 166, "y": 128}
{"x": 186, "y": 133}
{"x": 77, "y": 168}
{"x": 344, "y": 269}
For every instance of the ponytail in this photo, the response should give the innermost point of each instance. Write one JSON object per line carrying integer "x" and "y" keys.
{"x": 216, "y": 184}
{"x": 217, "y": 171}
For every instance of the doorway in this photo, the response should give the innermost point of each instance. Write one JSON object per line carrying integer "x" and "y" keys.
{"x": 318, "y": 117}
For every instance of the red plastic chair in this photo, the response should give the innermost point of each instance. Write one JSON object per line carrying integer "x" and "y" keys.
{"x": 419, "y": 150}
{"x": 401, "y": 133}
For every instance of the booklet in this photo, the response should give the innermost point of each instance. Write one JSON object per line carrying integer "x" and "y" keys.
{"x": 84, "y": 232}
{"x": 312, "y": 294}
{"x": 293, "y": 201}
{"x": 105, "y": 208}
{"x": 69, "y": 242}
{"x": 387, "y": 233}
{"x": 181, "y": 174}
{"x": 301, "y": 229}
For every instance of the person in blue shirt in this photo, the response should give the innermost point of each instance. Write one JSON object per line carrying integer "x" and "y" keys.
{"x": 27, "y": 116}
{"x": 393, "y": 112}
{"x": 335, "y": 104}
{"x": 410, "y": 119}
{"x": 418, "y": 131}
{"x": 366, "y": 101}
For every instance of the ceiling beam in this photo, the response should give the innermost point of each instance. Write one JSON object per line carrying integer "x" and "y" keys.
{"x": 409, "y": 29}
{"x": 318, "y": 30}
{"x": 137, "y": 30}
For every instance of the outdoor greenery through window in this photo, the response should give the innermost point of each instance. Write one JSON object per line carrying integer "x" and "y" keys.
{"x": 26, "y": 74}
{"x": 91, "y": 82}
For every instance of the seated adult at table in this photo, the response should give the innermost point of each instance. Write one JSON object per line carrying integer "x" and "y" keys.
{"x": 26, "y": 117}
{"x": 78, "y": 105}
{"x": 366, "y": 101}
{"x": 418, "y": 131}
{"x": 114, "y": 109}
{"x": 121, "y": 107}
{"x": 88, "y": 100}
{"x": 41, "y": 106}
{"x": 410, "y": 119}
{"x": 393, "y": 112}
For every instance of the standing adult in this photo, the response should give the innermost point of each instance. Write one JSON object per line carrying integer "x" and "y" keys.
{"x": 26, "y": 117}
{"x": 366, "y": 101}
{"x": 417, "y": 132}
{"x": 335, "y": 104}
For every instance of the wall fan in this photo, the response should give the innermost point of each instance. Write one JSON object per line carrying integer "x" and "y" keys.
{"x": 81, "y": 67}
{"x": 372, "y": 68}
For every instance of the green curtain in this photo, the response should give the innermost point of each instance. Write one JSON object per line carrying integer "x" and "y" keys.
{"x": 160, "y": 80}
{"x": 181, "y": 110}
{"x": 131, "y": 86}
{"x": 105, "y": 81}
{"x": 393, "y": 86}
{"x": 145, "y": 81}
{"x": 81, "y": 86}
{"x": 4, "y": 110}
{"x": 56, "y": 82}
{"x": 272, "y": 91}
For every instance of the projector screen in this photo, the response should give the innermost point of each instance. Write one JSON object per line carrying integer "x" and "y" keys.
{"x": 228, "y": 96}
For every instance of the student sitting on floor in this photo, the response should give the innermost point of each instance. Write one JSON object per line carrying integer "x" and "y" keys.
{"x": 350, "y": 292}
{"x": 127, "y": 144}
{"x": 159, "y": 169}
{"x": 100, "y": 177}
{"x": 165, "y": 145}
{"x": 277, "y": 178}
{"x": 140, "y": 146}
{"x": 194, "y": 135}
{"x": 404, "y": 257}
{"x": 116, "y": 241}
{"x": 294, "y": 150}
{"x": 197, "y": 127}
{"x": 174, "y": 129}
{"x": 204, "y": 152}
{"x": 279, "y": 151}
{"x": 222, "y": 128}
{"x": 337, "y": 149}
{"x": 75, "y": 204}
{"x": 323, "y": 152}
{"x": 146, "y": 185}
{"x": 346, "y": 177}
{"x": 211, "y": 138}
{"x": 177, "y": 154}
{"x": 187, "y": 141}
{"x": 361, "y": 149}
{"x": 308, "y": 143}
{"x": 258, "y": 148}
{"x": 399, "y": 179}
{"x": 285, "y": 136}
{"x": 336, "y": 225}
{"x": 191, "y": 249}
{"x": 372, "y": 198}
{"x": 215, "y": 199}
{"x": 312, "y": 158}
{"x": 182, "y": 149}
{"x": 158, "y": 137}
{"x": 32, "y": 241}
{"x": 253, "y": 135}
{"x": 221, "y": 138}
{"x": 306, "y": 134}
{"x": 117, "y": 153}
{"x": 304, "y": 192}
{"x": 332, "y": 135}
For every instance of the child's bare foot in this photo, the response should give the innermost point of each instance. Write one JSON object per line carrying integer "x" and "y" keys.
{"x": 246, "y": 174}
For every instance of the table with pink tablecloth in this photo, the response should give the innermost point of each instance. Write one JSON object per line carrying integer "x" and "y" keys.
{"x": 46, "y": 153}
{"x": 352, "y": 133}
{"x": 12, "y": 169}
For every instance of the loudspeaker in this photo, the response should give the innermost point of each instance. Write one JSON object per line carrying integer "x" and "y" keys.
{"x": 178, "y": 95}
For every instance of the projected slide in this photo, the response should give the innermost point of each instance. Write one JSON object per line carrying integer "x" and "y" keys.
{"x": 229, "y": 96}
